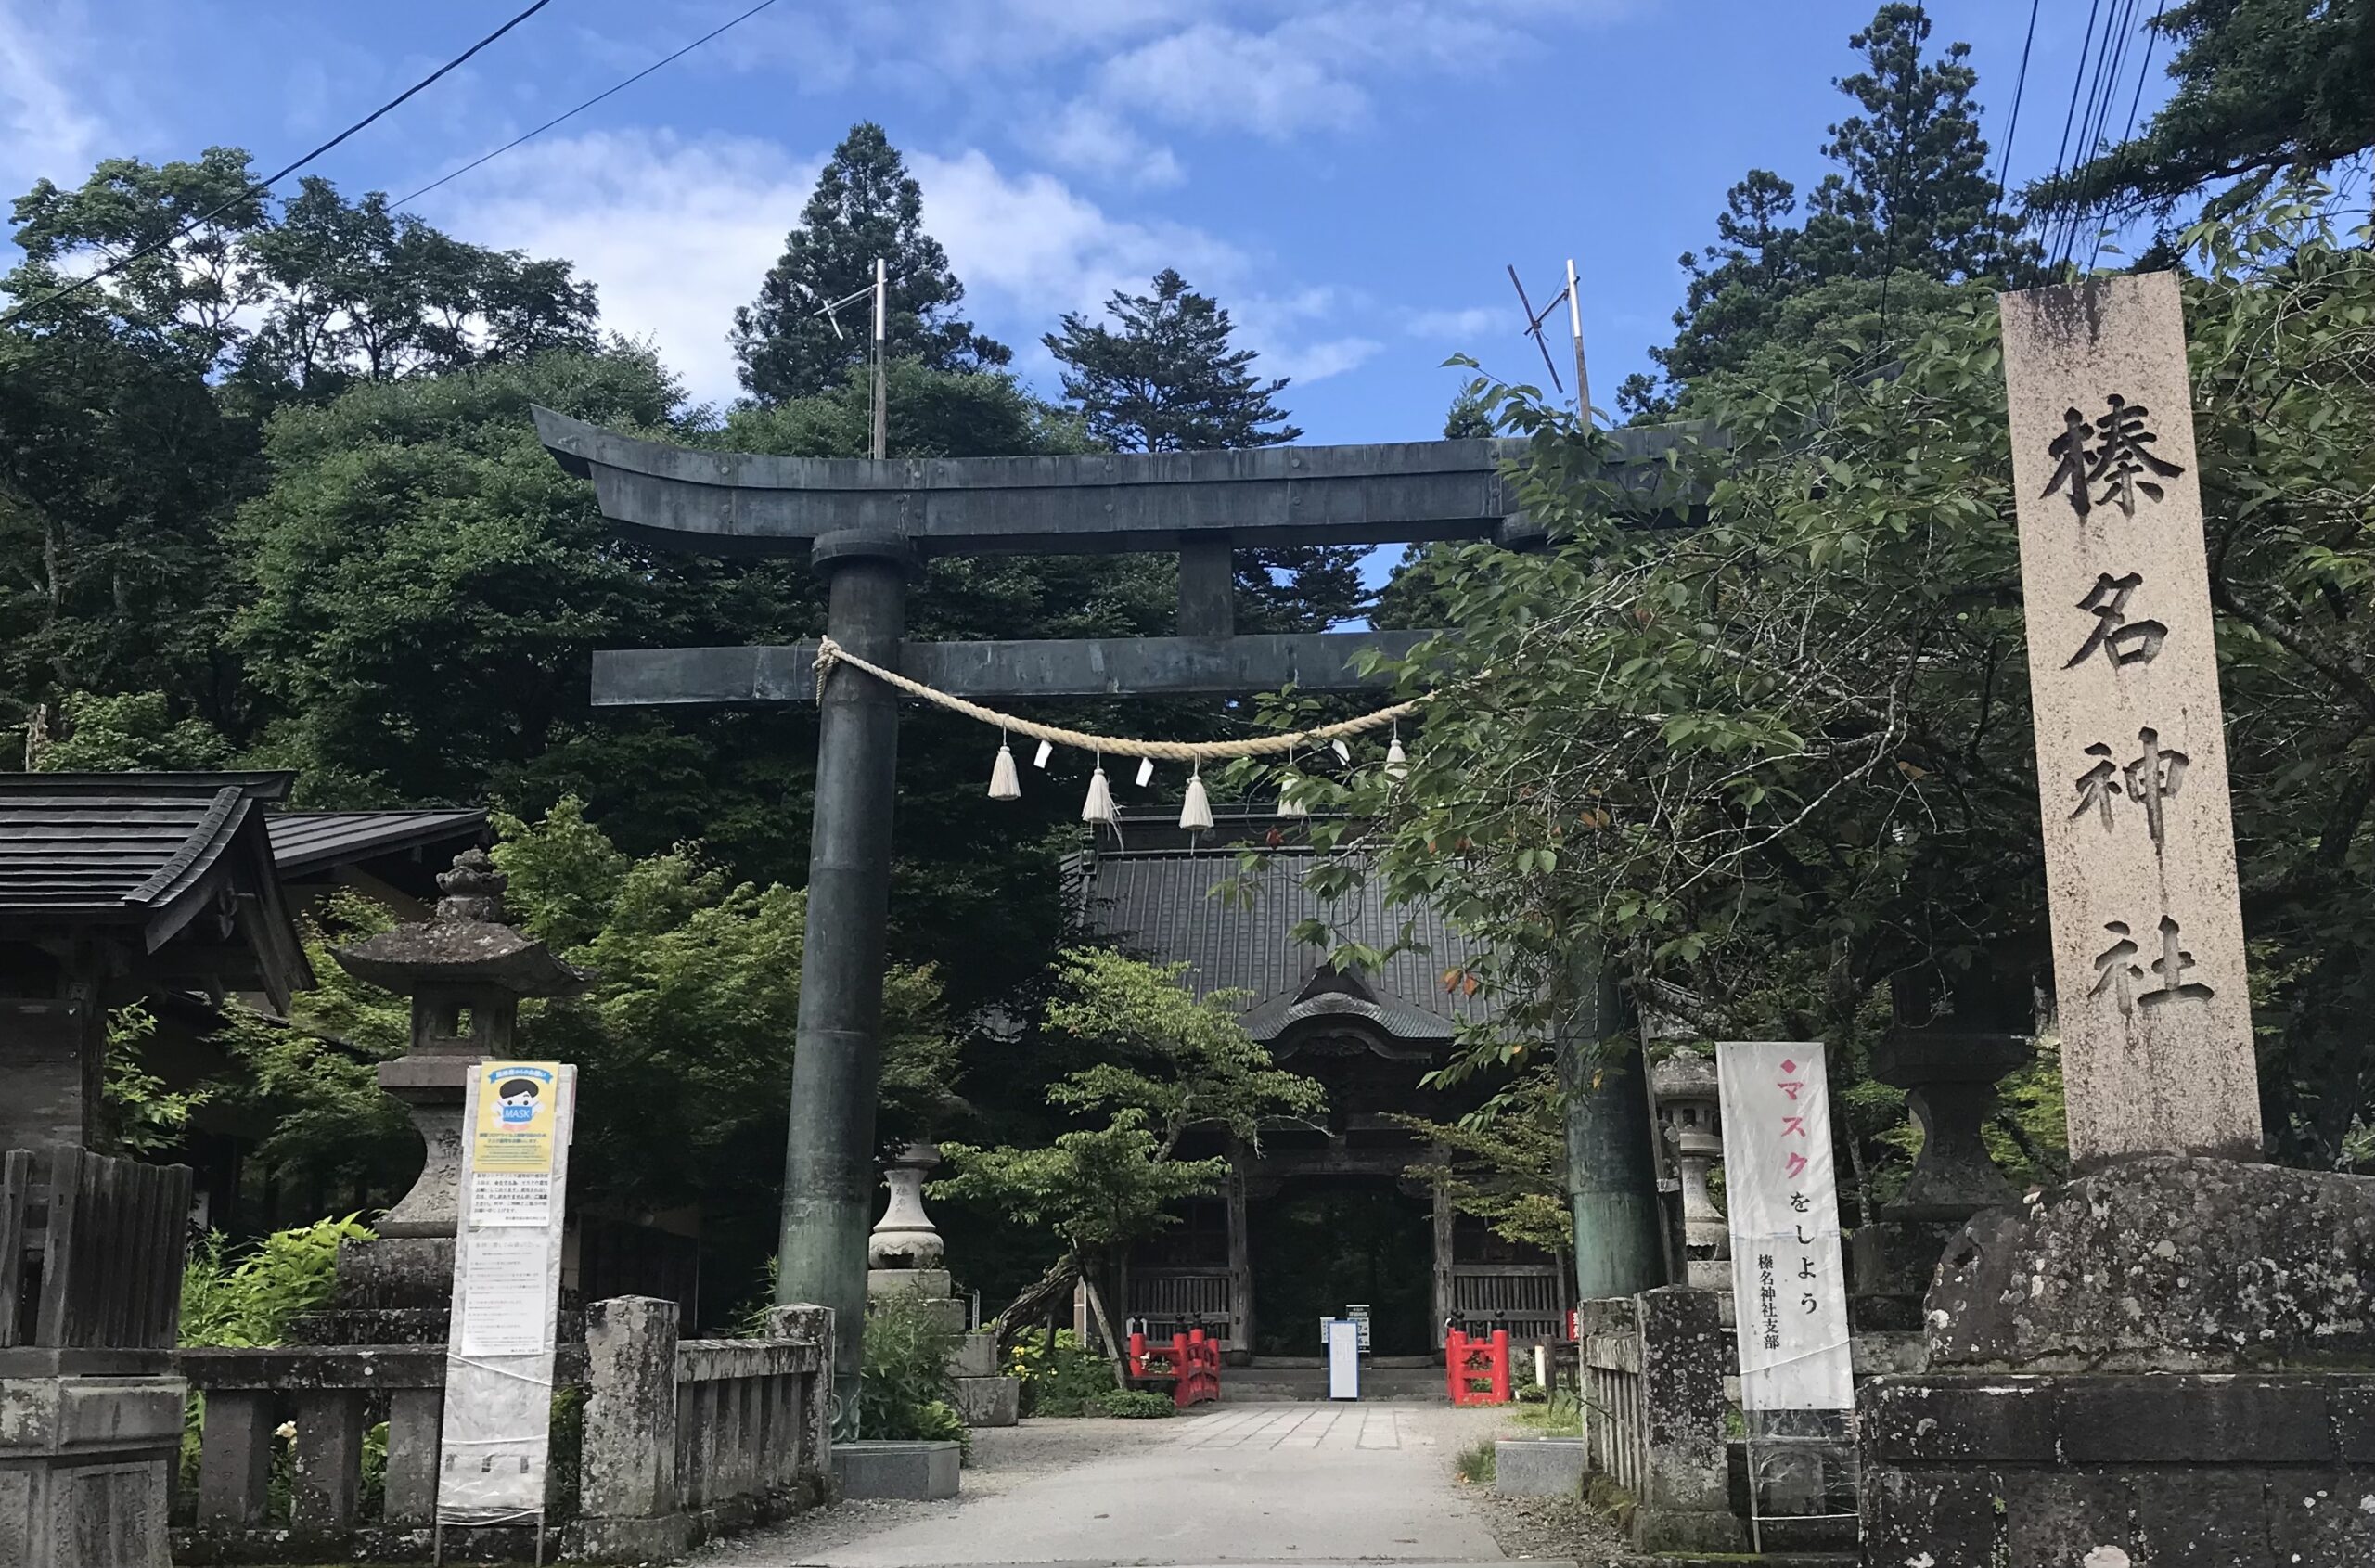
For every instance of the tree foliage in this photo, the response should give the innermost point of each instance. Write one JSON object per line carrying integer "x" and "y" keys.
{"x": 865, "y": 205}
{"x": 1907, "y": 193}
{"x": 1166, "y": 1063}
{"x": 1166, "y": 375}
{"x": 2263, "y": 87}
{"x": 1777, "y": 760}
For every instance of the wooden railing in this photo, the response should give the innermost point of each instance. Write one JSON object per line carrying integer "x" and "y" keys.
{"x": 1529, "y": 1300}
{"x": 91, "y": 1251}
{"x": 1609, "y": 1354}
{"x": 1177, "y": 1301}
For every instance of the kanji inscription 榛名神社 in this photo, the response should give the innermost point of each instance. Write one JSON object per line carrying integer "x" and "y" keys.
{"x": 2148, "y": 936}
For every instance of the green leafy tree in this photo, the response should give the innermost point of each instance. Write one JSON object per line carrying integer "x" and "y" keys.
{"x": 1510, "y": 1169}
{"x": 2262, "y": 87}
{"x": 1775, "y": 762}
{"x": 134, "y": 731}
{"x": 865, "y": 205}
{"x": 1166, "y": 1063}
{"x": 1166, "y": 375}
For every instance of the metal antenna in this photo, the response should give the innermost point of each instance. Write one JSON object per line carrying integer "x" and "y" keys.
{"x": 1533, "y": 320}
{"x": 1572, "y": 292}
{"x": 879, "y": 291}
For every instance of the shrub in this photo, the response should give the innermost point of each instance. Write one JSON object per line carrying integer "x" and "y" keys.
{"x": 250, "y": 1302}
{"x": 906, "y": 1394}
{"x": 1473, "y": 1464}
{"x": 1130, "y": 1404}
{"x": 1061, "y": 1380}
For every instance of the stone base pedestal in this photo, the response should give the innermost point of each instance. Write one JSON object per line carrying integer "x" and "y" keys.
{"x": 990, "y": 1401}
{"x": 2168, "y": 1470}
{"x": 926, "y": 1471}
{"x": 393, "y": 1290}
{"x": 1540, "y": 1467}
{"x": 2155, "y": 1366}
{"x": 86, "y": 1469}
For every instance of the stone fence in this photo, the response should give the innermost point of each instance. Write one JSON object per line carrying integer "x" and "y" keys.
{"x": 1659, "y": 1388}
{"x": 657, "y": 1443}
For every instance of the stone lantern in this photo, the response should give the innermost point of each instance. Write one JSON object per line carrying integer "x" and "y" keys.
{"x": 904, "y": 1236}
{"x": 1951, "y": 1040}
{"x": 1684, "y": 1086}
{"x": 466, "y": 970}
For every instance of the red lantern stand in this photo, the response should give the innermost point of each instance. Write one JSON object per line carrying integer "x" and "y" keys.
{"x": 1190, "y": 1366}
{"x": 1477, "y": 1368}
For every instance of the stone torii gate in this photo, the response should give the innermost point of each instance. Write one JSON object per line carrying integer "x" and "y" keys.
{"x": 867, "y": 524}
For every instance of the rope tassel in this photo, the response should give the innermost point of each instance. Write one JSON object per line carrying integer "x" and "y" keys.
{"x": 1397, "y": 762}
{"x": 1099, "y": 807}
{"x": 1005, "y": 783}
{"x": 1196, "y": 812}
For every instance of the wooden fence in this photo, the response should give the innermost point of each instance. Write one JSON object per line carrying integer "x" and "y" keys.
{"x": 91, "y": 1251}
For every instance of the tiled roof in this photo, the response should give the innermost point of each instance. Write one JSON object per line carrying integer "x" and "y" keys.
{"x": 146, "y": 853}
{"x": 1159, "y": 904}
{"x": 309, "y": 841}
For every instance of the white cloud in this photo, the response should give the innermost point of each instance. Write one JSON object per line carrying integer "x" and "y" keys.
{"x": 1096, "y": 142}
{"x": 677, "y": 233}
{"x": 1211, "y": 76}
{"x": 1465, "y": 324}
{"x": 43, "y": 128}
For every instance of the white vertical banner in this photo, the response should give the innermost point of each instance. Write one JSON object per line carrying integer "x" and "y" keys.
{"x": 498, "y": 1430}
{"x": 1781, "y": 1198}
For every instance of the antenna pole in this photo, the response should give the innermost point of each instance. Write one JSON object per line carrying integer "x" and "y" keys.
{"x": 882, "y": 336}
{"x": 1575, "y": 324}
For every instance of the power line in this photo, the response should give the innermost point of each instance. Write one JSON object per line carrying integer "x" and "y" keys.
{"x": 2136, "y": 99}
{"x": 2004, "y": 167}
{"x": 259, "y": 186}
{"x": 2070, "y": 115}
{"x": 589, "y": 103}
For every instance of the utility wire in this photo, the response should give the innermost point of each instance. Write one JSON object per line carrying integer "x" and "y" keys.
{"x": 2004, "y": 166}
{"x": 259, "y": 187}
{"x": 2136, "y": 99}
{"x": 2070, "y": 115}
{"x": 589, "y": 103}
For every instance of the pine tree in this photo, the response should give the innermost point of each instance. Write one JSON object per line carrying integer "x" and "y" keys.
{"x": 1907, "y": 192}
{"x": 1165, "y": 377}
{"x": 865, "y": 205}
{"x": 2262, "y": 86}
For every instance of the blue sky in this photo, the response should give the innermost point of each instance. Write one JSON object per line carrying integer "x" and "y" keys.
{"x": 1349, "y": 178}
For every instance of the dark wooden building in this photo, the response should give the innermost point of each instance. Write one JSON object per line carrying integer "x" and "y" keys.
{"x": 1318, "y": 1218}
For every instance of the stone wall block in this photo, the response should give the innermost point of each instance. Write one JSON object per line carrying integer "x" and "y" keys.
{"x": 2165, "y": 1264}
{"x": 2320, "y": 1520}
{"x": 235, "y": 1456}
{"x": 1945, "y": 1519}
{"x": 628, "y": 1467}
{"x": 2204, "y": 1519}
{"x": 1915, "y": 1421}
{"x": 416, "y": 1417}
{"x": 2200, "y": 1421}
{"x": 2053, "y": 1518}
{"x": 328, "y": 1482}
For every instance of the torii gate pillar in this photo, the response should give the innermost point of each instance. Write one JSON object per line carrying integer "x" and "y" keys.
{"x": 837, "y": 1061}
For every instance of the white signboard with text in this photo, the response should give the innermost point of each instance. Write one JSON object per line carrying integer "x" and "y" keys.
{"x": 497, "y": 1426}
{"x": 1781, "y": 1196}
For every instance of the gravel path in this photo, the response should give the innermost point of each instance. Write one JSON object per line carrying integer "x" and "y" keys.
{"x": 1234, "y": 1484}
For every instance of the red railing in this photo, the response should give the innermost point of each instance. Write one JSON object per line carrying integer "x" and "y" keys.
{"x": 1190, "y": 1364}
{"x": 1477, "y": 1368}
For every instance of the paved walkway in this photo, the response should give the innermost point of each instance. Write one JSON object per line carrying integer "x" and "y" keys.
{"x": 1269, "y": 1484}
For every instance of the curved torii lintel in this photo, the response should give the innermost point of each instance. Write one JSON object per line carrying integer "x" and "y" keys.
{"x": 1097, "y": 503}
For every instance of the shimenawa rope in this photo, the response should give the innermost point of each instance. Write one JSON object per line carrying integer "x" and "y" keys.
{"x": 829, "y": 653}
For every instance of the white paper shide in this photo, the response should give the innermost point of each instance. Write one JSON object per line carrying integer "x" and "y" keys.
{"x": 1781, "y": 1195}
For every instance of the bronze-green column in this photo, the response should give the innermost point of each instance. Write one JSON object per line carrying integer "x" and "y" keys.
{"x": 1611, "y": 1177}
{"x": 828, "y": 1173}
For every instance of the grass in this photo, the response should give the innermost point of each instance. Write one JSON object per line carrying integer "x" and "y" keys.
{"x": 1473, "y": 1464}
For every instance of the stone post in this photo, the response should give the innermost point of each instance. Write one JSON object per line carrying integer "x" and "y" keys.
{"x": 628, "y": 1463}
{"x": 800, "y": 1322}
{"x": 1687, "y": 1094}
{"x": 1686, "y": 1351}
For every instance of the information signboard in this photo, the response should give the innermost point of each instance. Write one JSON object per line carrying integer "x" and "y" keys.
{"x": 497, "y": 1433}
